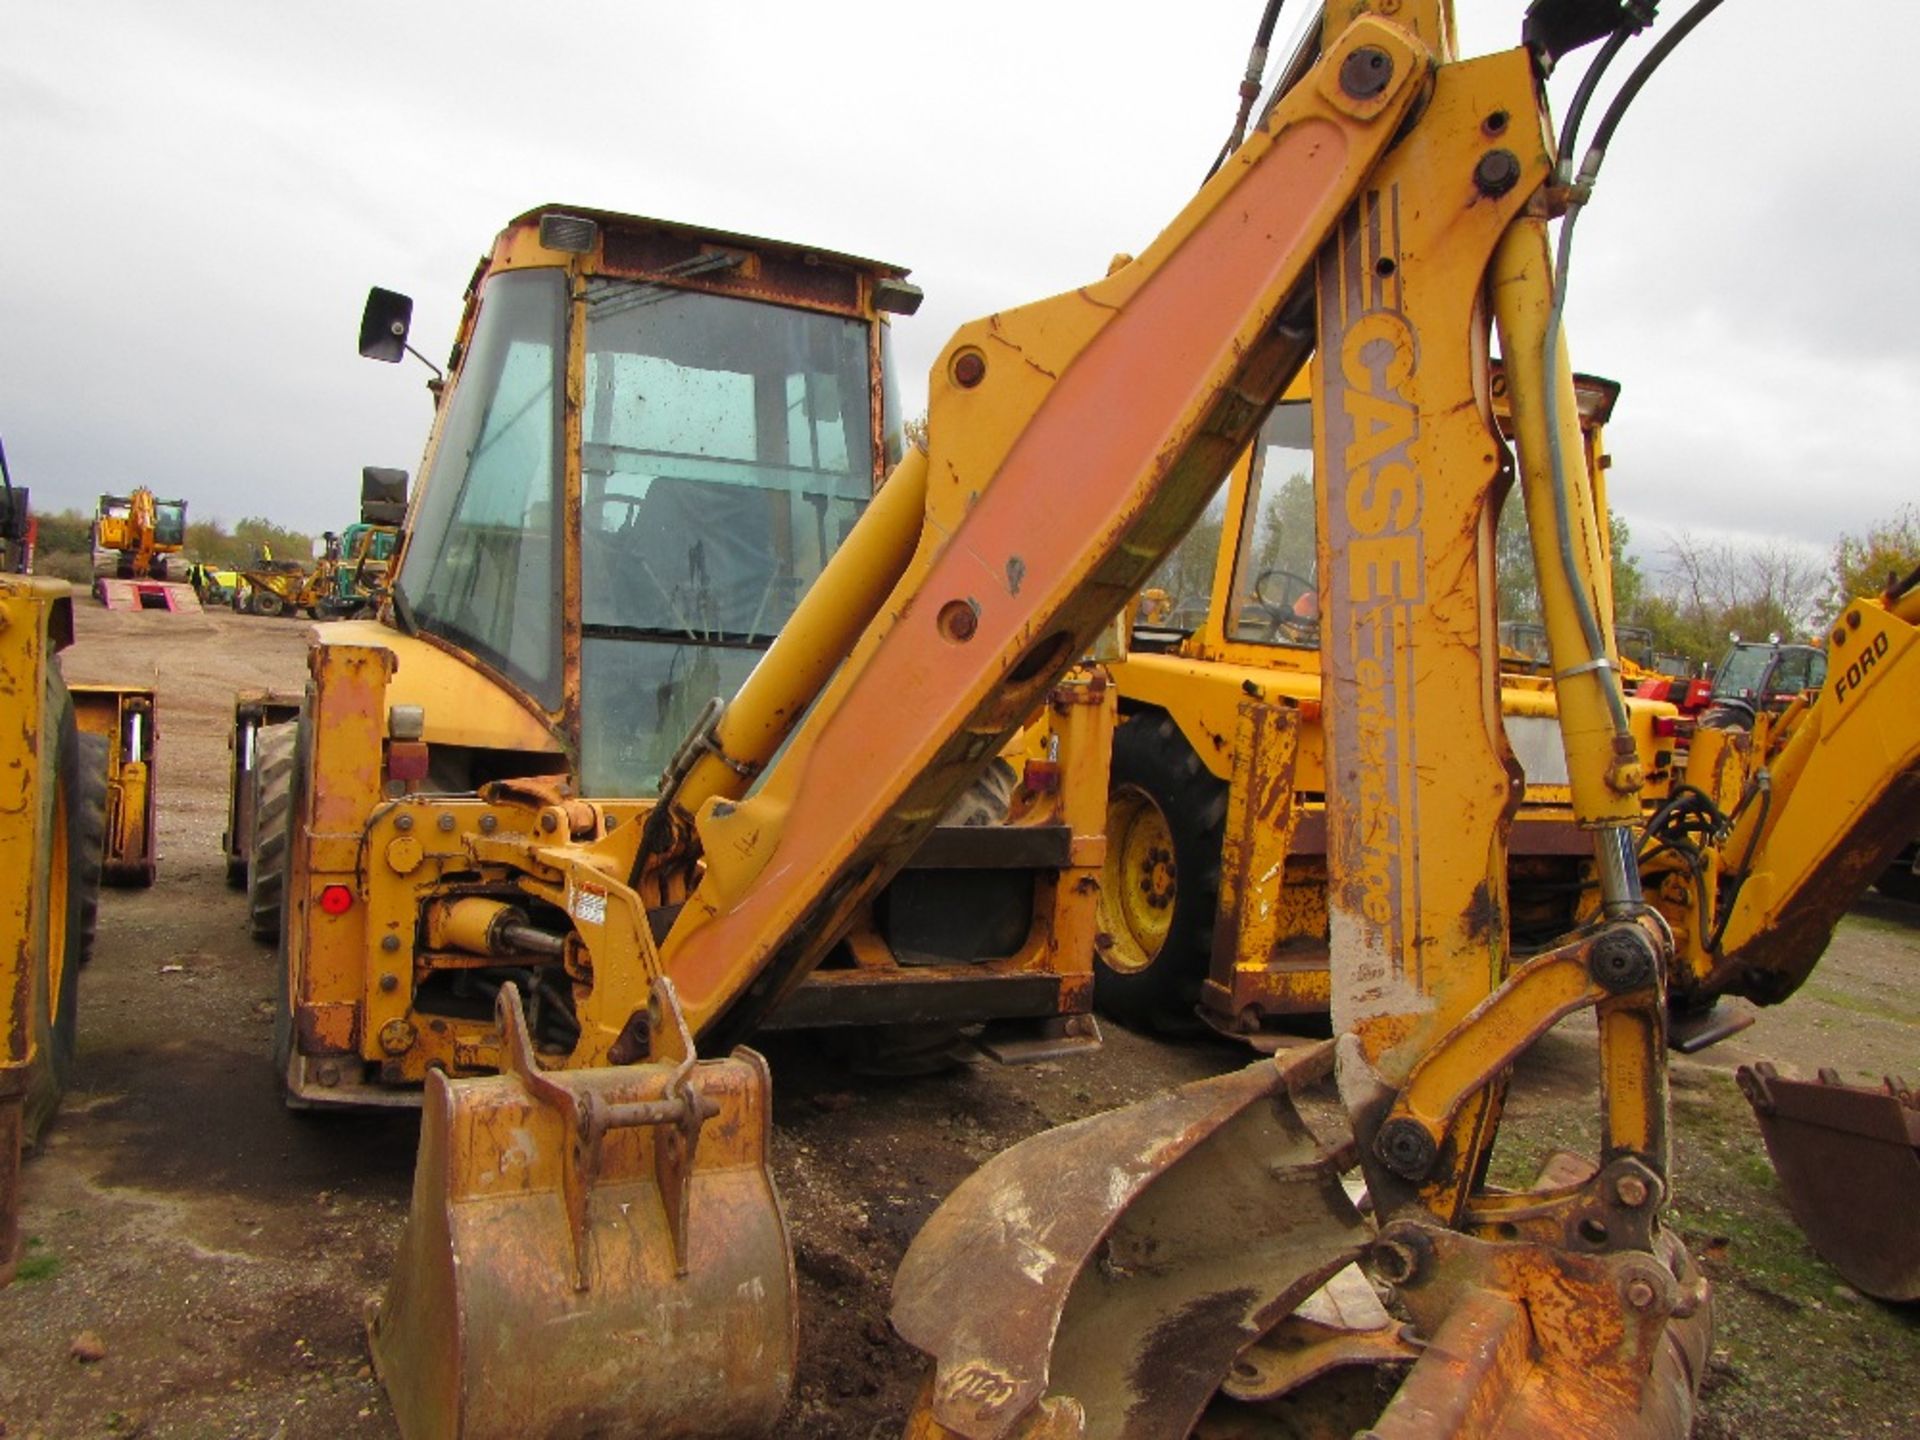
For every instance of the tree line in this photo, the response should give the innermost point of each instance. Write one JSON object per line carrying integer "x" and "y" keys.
{"x": 1711, "y": 587}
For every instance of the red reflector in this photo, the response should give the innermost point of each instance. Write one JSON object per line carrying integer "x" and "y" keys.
{"x": 1665, "y": 727}
{"x": 406, "y": 759}
{"x": 1042, "y": 777}
{"x": 336, "y": 899}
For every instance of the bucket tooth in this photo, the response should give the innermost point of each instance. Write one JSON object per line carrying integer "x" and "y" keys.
{"x": 596, "y": 1252}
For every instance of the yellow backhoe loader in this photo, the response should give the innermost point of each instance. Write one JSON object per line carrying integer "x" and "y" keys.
{"x": 653, "y": 441}
{"x": 1207, "y": 901}
{"x": 594, "y": 1245}
{"x": 51, "y": 776}
{"x": 1159, "y": 1271}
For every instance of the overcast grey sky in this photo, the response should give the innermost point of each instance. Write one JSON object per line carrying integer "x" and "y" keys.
{"x": 198, "y": 193}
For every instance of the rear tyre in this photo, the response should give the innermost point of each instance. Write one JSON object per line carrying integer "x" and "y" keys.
{"x": 272, "y": 782}
{"x": 1166, "y": 819}
{"x": 265, "y": 602}
{"x": 294, "y": 738}
{"x": 91, "y": 786}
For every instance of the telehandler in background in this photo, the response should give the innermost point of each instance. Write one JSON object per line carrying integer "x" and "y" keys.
{"x": 1159, "y": 1271}
{"x": 51, "y": 777}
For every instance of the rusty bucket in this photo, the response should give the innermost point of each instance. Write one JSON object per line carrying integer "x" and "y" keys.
{"x": 1848, "y": 1157}
{"x": 1102, "y": 1278}
{"x": 599, "y": 1252}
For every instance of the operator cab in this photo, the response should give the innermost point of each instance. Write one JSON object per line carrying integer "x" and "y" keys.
{"x": 653, "y": 440}
{"x": 1261, "y": 590}
{"x": 1757, "y": 675}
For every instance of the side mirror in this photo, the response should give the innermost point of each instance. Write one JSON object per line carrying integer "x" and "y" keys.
{"x": 383, "y": 496}
{"x": 384, "y": 325}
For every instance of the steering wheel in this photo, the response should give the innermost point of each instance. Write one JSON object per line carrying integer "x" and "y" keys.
{"x": 1275, "y": 593}
{"x": 1296, "y": 585}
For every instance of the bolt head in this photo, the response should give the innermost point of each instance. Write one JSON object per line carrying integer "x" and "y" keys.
{"x": 1405, "y": 1147}
{"x": 1497, "y": 173}
{"x": 1641, "y": 1294}
{"x": 1366, "y": 72}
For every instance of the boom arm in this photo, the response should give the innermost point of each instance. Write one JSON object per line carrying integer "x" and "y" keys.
{"x": 1073, "y": 442}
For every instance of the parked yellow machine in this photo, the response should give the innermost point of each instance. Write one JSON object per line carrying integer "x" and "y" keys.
{"x": 135, "y": 537}
{"x": 608, "y": 532}
{"x": 1152, "y": 1272}
{"x": 1206, "y": 901}
{"x": 126, "y": 720}
{"x": 50, "y": 813}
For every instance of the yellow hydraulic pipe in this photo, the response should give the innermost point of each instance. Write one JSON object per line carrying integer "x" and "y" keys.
{"x": 1601, "y": 760}
{"x": 823, "y": 627}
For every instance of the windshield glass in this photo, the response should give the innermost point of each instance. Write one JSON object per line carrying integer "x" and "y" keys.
{"x": 484, "y": 566}
{"x": 170, "y": 522}
{"x": 726, "y": 453}
{"x": 1276, "y": 597}
{"x": 1744, "y": 670}
{"x": 1741, "y": 671}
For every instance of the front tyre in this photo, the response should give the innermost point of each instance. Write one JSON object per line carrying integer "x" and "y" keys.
{"x": 1160, "y": 887}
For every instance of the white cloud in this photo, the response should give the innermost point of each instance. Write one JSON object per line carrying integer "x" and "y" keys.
{"x": 199, "y": 195}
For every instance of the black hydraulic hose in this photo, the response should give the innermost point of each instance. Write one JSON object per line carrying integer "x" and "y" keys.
{"x": 1250, "y": 83}
{"x": 1582, "y": 188}
{"x": 1583, "y": 96}
{"x": 1642, "y": 72}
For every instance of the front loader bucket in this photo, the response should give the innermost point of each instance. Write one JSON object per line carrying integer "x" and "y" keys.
{"x": 591, "y": 1253}
{"x": 1101, "y": 1279}
{"x": 1848, "y": 1158}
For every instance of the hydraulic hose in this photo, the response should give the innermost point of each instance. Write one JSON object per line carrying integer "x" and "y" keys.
{"x": 1581, "y": 190}
{"x": 1250, "y": 82}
